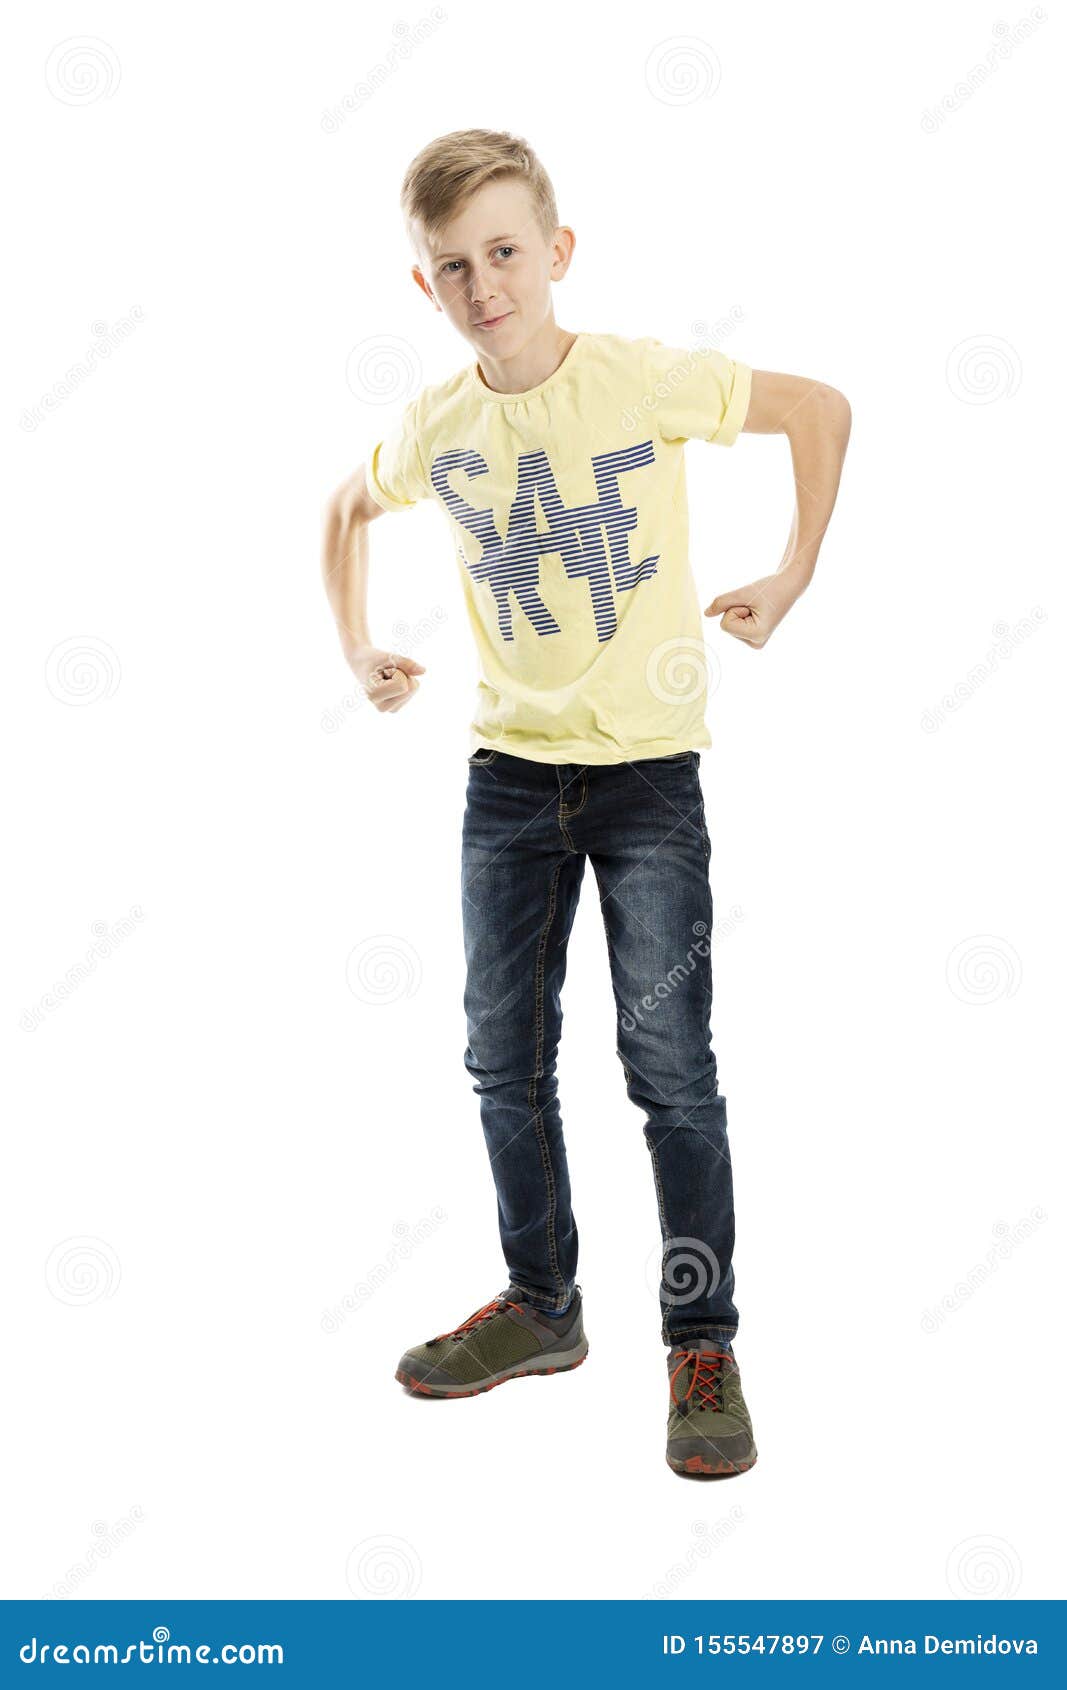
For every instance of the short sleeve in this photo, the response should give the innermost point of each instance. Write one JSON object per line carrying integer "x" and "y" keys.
{"x": 697, "y": 394}
{"x": 396, "y": 479}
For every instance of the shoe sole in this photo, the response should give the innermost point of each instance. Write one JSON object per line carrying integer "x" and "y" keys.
{"x": 564, "y": 1362}
{"x": 695, "y": 1464}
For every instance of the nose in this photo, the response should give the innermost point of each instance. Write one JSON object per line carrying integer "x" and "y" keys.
{"x": 482, "y": 289}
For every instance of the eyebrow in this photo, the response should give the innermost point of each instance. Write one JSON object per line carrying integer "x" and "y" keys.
{"x": 490, "y": 242}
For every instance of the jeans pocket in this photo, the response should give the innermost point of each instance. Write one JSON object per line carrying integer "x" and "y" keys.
{"x": 482, "y": 757}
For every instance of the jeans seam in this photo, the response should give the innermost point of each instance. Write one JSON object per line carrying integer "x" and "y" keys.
{"x": 659, "y": 1200}
{"x": 627, "y": 1075}
{"x": 565, "y": 813}
{"x": 668, "y": 1337}
{"x": 573, "y": 809}
{"x": 662, "y": 1220}
{"x": 546, "y": 1159}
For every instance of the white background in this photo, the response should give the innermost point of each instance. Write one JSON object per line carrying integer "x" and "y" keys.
{"x": 213, "y": 1139}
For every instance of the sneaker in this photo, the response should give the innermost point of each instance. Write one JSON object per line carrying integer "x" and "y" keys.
{"x": 709, "y": 1429}
{"x": 506, "y": 1339}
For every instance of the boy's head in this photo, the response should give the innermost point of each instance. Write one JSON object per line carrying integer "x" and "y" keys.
{"x": 481, "y": 215}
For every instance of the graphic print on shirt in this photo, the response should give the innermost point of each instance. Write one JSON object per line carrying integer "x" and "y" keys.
{"x": 576, "y": 534}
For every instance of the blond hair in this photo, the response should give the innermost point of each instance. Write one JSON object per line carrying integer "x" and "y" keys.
{"x": 446, "y": 173}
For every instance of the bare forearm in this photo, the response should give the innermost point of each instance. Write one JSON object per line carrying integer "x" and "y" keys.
{"x": 818, "y": 432}
{"x": 816, "y": 419}
{"x": 389, "y": 678}
{"x": 345, "y": 571}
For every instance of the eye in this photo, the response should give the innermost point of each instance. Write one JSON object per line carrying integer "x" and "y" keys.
{"x": 448, "y": 267}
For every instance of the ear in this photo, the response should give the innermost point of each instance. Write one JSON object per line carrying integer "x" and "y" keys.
{"x": 421, "y": 282}
{"x": 562, "y": 252}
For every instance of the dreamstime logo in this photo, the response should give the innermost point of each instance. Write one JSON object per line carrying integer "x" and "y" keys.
{"x": 144, "y": 1653}
{"x": 407, "y": 1239}
{"x": 709, "y": 338}
{"x": 1007, "y": 38}
{"x": 383, "y": 1567}
{"x": 106, "y": 938}
{"x": 676, "y": 976}
{"x": 682, "y": 70}
{"x": 1008, "y": 640}
{"x": 106, "y": 1539}
{"x": 983, "y": 968}
{"x": 82, "y": 70}
{"x": 82, "y": 670}
{"x": 680, "y": 670}
{"x": 682, "y": 1270}
{"x": 383, "y": 370}
{"x": 382, "y": 969}
{"x": 107, "y": 337}
{"x": 986, "y": 1567}
{"x": 407, "y": 38}
{"x": 726, "y": 924}
{"x": 1008, "y": 1238}
{"x": 708, "y": 1539}
{"x": 403, "y": 635}
{"x": 82, "y": 1270}
{"x": 983, "y": 369}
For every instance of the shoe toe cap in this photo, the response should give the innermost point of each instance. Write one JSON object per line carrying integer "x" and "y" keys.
{"x": 423, "y": 1365}
{"x": 732, "y": 1448}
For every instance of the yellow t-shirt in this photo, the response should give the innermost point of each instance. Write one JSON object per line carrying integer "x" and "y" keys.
{"x": 568, "y": 511}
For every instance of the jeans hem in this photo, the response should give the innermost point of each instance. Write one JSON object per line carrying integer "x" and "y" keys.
{"x": 672, "y": 1338}
{"x": 537, "y": 1301}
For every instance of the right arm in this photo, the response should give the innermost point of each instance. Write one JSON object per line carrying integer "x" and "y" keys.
{"x": 388, "y": 679}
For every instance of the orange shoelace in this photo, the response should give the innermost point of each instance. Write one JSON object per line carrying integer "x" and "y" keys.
{"x": 484, "y": 1313}
{"x": 705, "y": 1381}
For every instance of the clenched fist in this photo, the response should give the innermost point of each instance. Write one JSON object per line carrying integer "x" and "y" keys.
{"x": 388, "y": 679}
{"x": 752, "y": 613}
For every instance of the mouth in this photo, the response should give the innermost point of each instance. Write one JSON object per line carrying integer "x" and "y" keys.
{"x": 491, "y": 322}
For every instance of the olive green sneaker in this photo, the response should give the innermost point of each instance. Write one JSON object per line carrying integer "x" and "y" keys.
{"x": 506, "y": 1339}
{"x": 709, "y": 1429}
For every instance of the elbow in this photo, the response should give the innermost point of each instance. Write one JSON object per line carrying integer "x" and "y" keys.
{"x": 835, "y": 412}
{"x": 825, "y": 416}
{"x": 351, "y": 504}
{"x": 333, "y": 508}
{"x": 339, "y": 513}
{"x": 839, "y": 407}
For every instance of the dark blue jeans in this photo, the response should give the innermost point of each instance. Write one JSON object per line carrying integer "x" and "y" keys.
{"x": 527, "y": 831}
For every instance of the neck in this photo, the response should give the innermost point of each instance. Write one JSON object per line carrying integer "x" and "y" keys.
{"x": 531, "y": 364}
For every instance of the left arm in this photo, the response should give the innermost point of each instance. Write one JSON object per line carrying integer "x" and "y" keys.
{"x": 816, "y": 420}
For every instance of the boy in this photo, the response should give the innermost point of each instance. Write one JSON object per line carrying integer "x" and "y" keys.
{"x": 558, "y": 459}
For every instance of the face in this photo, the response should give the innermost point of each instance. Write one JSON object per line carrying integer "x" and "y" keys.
{"x": 490, "y": 269}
